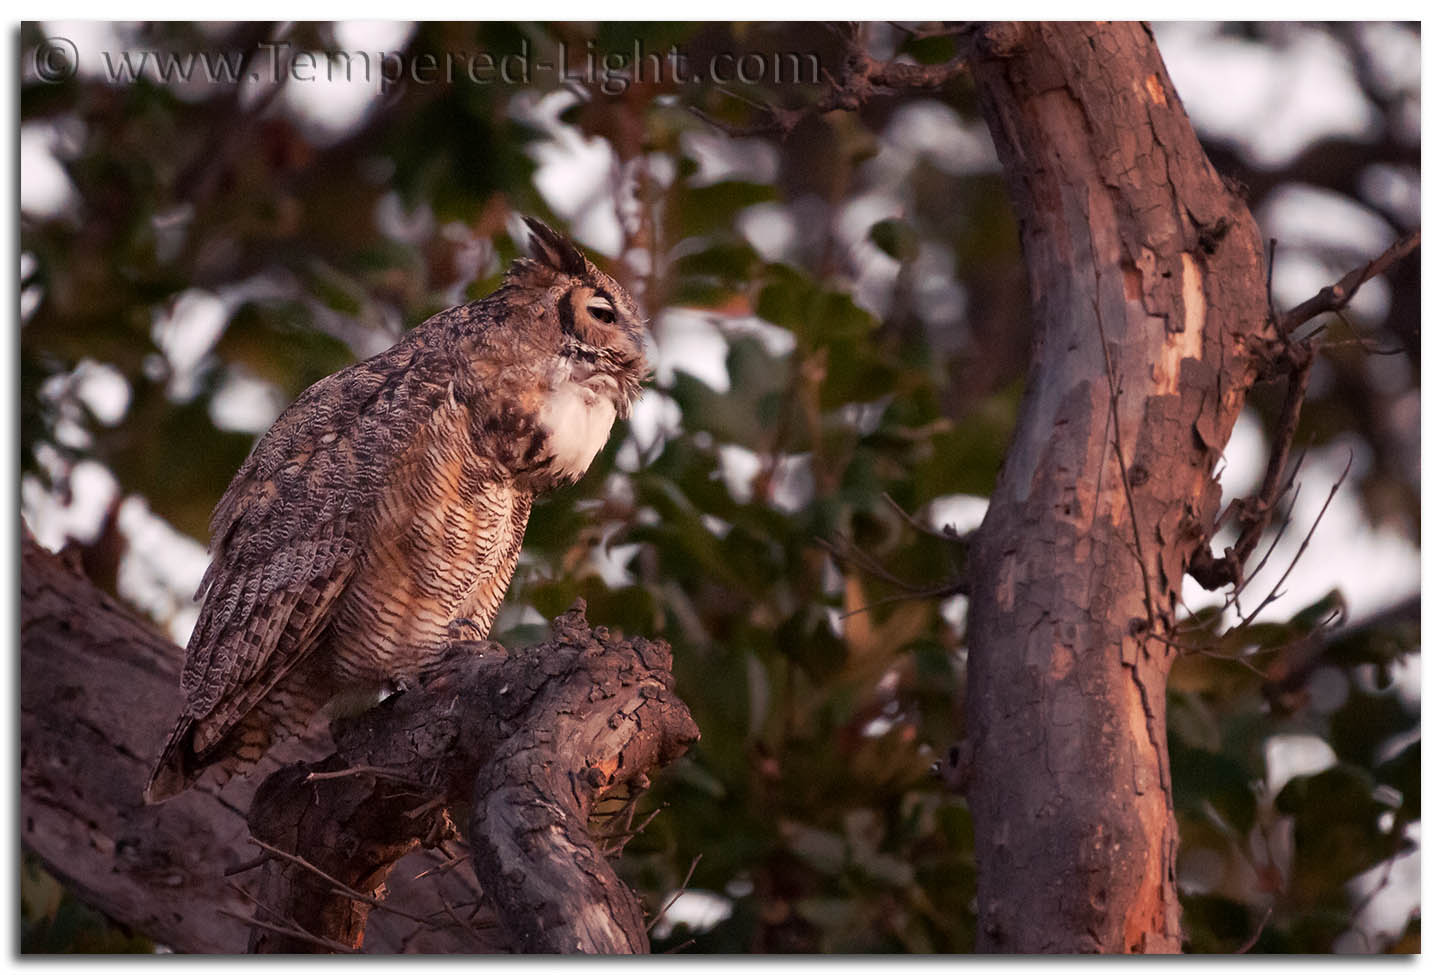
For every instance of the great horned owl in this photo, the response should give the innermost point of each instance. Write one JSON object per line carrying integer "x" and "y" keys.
{"x": 388, "y": 503}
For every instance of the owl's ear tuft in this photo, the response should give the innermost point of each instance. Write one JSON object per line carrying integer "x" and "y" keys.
{"x": 553, "y": 250}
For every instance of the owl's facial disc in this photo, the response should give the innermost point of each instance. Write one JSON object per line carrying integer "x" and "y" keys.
{"x": 598, "y": 322}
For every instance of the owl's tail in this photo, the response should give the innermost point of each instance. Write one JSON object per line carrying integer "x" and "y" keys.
{"x": 170, "y": 776}
{"x": 180, "y": 765}
{"x": 234, "y": 736}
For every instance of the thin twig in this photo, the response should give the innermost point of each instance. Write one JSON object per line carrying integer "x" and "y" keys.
{"x": 375, "y": 770}
{"x": 1234, "y": 598}
{"x": 1251, "y": 942}
{"x": 676, "y": 896}
{"x": 926, "y": 33}
{"x": 259, "y": 904}
{"x": 247, "y": 865}
{"x": 854, "y": 555}
{"x": 440, "y": 868}
{"x": 1271, "y": 265}
{"x": 290, "y": 932}
{"x": 1259, "y": 513}
{"x": 1259, "y": 652}
{"x": 626, "y": 836}
{"x": 1189, "y": 648}
{"x": 956, "y": 588}
{"x": 1245, "y": 579}
{"x": 862, "y": 77}
{"x": 430, "y": 805}
{"x": 1273, "y": 595}
{"x": 340, "y": 887}
{"x": 1369, "y": 346}
{"x": 1336, "y": 296}
{"x": 946, "y": 533}
{"x": 465, "y": 925}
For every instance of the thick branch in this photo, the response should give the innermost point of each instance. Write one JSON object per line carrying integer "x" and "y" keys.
{"x": 98, "y": 689}
{"x": 536, "y": 737}
{"x": 600, "y": 714}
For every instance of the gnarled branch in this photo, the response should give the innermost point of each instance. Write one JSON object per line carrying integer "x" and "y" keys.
{"x": 99, "y": 687}
{"x": 530, "y": 741}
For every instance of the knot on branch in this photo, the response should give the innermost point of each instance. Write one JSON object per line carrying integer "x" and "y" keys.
{"x": 534, "y": 738}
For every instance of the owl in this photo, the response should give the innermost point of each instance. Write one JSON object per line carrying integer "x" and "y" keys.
{"x": 381, "y": 516}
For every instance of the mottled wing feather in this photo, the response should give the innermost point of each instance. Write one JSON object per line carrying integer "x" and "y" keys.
{"x": 304, "y": 621}
{"x": 285, "y": 535}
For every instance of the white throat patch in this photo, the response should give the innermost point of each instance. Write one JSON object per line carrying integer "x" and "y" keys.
{"x": 578, "y": 422}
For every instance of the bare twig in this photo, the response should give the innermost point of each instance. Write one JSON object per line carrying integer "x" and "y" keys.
{"x": 622, "y": 837}
{"x": 383, "y": 773}
{"x": 676, "y": 896}
{"x": 1257, "y": 511}
{"x": 1369, "y": 346}
{"x": 430, "y": 805}
{"x": 926, "y": 33}
{"x": 861, "y": 78}
{"x": 1189, "y": 648}
{"x": 467, "y": 926}
{"x": 946, "y": 533}
{"x": 340, "y": 887}
{"x": 445, "y": 866}
{"x": 1251, "y": 942}
{"x": 1336, "y": 296}
{"x": 957, "y": 588}
{"x": 1275, "y": 593}
{"x": 846, "y": 551}
{"x": 260, "y": 905}
{"x": 1271, "y": 264}
{"x": 247, "y": 865}
{"x": 290, "y": 931}
{"x": 1234, "y": 596}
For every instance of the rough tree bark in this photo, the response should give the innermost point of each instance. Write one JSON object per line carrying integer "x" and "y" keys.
{"x": 1147, "y": 278}
{"x": 530, "y": 741}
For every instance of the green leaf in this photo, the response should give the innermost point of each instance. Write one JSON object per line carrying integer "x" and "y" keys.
{"x": 896, "y": 239}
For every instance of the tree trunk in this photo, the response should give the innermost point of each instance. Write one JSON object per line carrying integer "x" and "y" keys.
{"x": 543, "y": 732}
{"x": 1148, "y": 291}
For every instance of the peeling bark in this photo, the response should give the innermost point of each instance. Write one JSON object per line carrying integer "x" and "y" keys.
{"x": 559, "y": 725}
{"x": 1148, "y": 290}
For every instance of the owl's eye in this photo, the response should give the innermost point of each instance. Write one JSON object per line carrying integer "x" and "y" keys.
{"x": 602, "y": 310}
